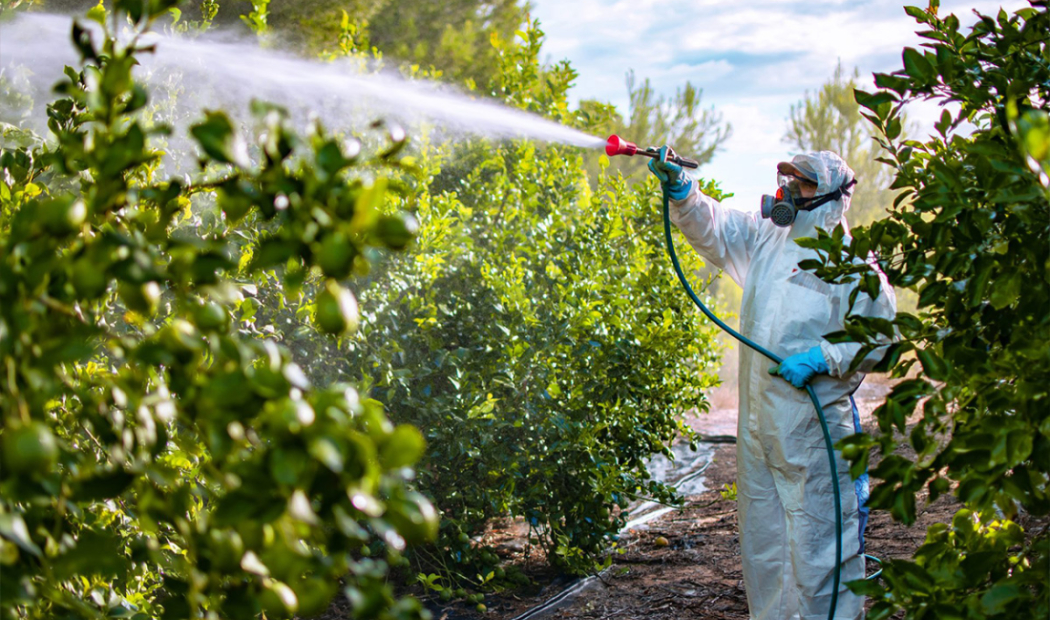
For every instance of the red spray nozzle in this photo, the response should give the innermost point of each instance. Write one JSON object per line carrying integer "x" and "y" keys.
{"x": 618, "y": 146}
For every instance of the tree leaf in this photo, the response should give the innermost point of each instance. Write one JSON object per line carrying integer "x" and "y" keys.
{"x": 933, "y": 365}
{"x": 218, "y": 139}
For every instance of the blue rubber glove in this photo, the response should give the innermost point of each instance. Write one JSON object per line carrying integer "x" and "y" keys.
{"x": 800, "y": 368}
{"x": 676, "y": 184}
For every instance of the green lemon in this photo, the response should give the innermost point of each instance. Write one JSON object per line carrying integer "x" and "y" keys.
{"x": 62, "y": 216}
{"x": 481, "y": 608}
{"x": 335, "y": 255}
{"x": 29, "y": 448}
{"x": 211, "y": 316}
{"x": 851, "y": 452}
{"x": 396, "y": 231}
{"x": 141, "y": 298}
{"x": 89, "y": 279}
{"x": 336, "y": 311}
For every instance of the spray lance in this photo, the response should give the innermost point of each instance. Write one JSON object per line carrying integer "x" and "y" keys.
{"x": 618, "y": 146}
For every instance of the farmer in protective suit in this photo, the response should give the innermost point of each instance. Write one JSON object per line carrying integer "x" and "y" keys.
{"x": 785, "y": 496}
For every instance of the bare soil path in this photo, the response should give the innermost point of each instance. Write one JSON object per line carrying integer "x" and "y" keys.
{"x": 684, "y": 564}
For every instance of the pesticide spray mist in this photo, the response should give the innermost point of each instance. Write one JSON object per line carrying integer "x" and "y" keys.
{"x": 223, "y": 71}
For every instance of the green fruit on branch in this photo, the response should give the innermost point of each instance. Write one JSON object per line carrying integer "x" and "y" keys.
{"x": 336, "y": 311}
{"x": 335, "y": 255}
{"x": 29, "y": 448}
{"x": 397, "y": 231}
{"x": 141, "y": 298}
{"x": 63, "y": 215}
{"x": 211, "y": 316}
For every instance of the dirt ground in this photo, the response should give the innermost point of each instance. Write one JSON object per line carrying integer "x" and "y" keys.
{"x": 684, "y": 564}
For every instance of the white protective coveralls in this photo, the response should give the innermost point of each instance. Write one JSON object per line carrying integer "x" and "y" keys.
{"x": 785, "y": 495}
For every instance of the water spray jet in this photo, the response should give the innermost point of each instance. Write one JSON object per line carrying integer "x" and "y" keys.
{"x": 222, "y": 70}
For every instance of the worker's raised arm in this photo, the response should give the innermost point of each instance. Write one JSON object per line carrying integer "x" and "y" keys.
{"x": 724, "y": 237}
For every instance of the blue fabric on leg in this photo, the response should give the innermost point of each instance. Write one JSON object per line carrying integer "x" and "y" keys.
{"x": 860, "y": 485}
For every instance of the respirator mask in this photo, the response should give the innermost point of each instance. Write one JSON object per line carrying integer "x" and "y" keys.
{"x": 783, "y": 207}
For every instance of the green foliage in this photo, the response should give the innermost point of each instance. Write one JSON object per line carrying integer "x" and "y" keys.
{"x": 452, "y": 38}
{"x": 257, "y": 18}
{"x": 162, "y": 457}
{"x": 535, "y": 334}
{"x": 969, "y": 234}
{"x": 960, "y": 572}
{"x": 460, "y": 39}
{"x": 526, "y": 84}
{"x": 542, "y": 345}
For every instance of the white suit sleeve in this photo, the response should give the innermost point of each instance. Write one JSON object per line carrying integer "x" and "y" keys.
{"x": 839, "y": 356}
{"x": 724, "y": 237}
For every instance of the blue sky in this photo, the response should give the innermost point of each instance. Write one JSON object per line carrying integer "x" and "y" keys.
{"x": 753, "y": 60}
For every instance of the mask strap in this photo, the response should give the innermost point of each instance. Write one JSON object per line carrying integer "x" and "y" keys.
{"x": 817, "y": 201}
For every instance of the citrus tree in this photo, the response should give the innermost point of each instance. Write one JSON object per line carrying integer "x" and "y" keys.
{"x": 543, "y": 347}
{"x": 969, "y": 234}
{"x": 189, "y": 405}
{"x": 534, "y": 333}
{"x": 162, "y": 457}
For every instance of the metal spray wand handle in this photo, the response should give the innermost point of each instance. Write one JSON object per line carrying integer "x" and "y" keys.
{"x": 618, "y": 146}
{"x": 671, "y": 157}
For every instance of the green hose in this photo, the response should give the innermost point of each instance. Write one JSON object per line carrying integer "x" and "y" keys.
{"x": 777, "y": 360}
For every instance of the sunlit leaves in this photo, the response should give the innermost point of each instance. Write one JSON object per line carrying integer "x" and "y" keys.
{"x": 219, "y": 140}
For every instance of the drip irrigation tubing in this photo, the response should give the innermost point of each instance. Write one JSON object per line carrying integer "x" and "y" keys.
{"x": 579, "y": 584}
